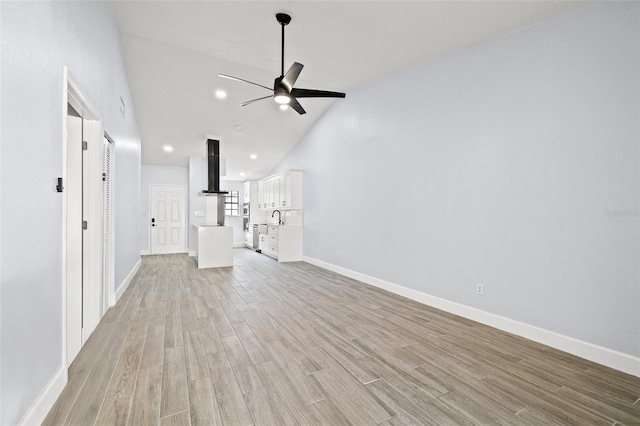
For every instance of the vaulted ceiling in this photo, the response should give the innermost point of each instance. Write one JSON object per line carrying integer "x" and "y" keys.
{"x": 174, "y": 51}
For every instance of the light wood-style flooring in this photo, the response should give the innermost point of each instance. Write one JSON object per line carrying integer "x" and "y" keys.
{"x": 284, "y": 344}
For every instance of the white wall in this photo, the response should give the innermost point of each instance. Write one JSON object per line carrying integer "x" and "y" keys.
{"x": 513, "y": 163}
{"x": 38, "y": 39}
{"x": 158, "y": 175}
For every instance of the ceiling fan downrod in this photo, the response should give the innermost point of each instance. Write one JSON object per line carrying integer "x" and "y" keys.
{"x": 283, "y": 19}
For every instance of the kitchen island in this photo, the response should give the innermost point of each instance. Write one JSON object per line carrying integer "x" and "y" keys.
{"x": 215, "y": 246}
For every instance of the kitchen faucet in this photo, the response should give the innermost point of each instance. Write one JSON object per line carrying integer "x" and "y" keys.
{"x": 279, "y": 218}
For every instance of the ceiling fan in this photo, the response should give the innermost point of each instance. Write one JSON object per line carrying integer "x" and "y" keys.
{"x": 283, "y": 91}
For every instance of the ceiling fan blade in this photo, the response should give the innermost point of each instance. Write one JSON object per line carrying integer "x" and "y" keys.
{"x": 310, "y": 93}
{"x": 245, "y": 81}
{"x": 296, "y": 105}
{"x": 254, "y": 100}
{"x": 291, "y": 76}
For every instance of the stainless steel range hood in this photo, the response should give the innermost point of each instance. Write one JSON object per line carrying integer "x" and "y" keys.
{"x": 213, "y": 177}
{"x": 213, "y": 168}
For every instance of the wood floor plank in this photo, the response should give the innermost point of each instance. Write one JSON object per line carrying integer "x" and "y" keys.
{"x": 233, "y": 408}
{"x": 475, "y": 390}
{"x": 351, "y": 364}
{"x": 254, "y": 349}
{"x": 211, "y": 340}
{"x": 559, "y": 408}
{"x": 78, "y": 373}
{"x": 477, "y": 413}
{"x": 117, "y": 402}
{"x": 263, "y": 409}
{"x": 401, "y": 406}
{"x": 188, "y": 312}
{"x": 153, "y": 351}
{"x": 323, "y": 412}
{"x": 415, "y": 385}
{"x": 291, "y": 408}
{"x": 180, "y": 419}
{"x": 613, "y": 410}
{"x": 173, "y": 329}
{"x": 203, "y": 404}
{"x": 290, "y": 343}
{"x": 222, "y": 323}
{"x": 201, "y": 308}
{"x": 115, "y": 341}
{"x": 195, "y": 356}
{"x": 174, "y": 396}
{"x": 86, "y": 407}
{"x": 243, "y": 368}
{"x": 145, "y": 406}
{"x": 304, "y": 387}
{"x": 348, "y": 394}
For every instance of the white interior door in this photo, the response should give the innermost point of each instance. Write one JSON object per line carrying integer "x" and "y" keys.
{"x": 168, "y": 219}
{"x": 73, "y": 188}
{"x": 83, "y": 222}
{"x": 92, "y": 271}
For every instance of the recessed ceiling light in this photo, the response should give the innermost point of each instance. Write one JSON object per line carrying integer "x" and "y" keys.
{"x": 167, "y": 148}
{"x": 284, "y": 107}
{"x": 241, "y": 173}
{"x": 238, "y": 128}
{"x": 221, "y": 94}
{"x": 253, "y": 156}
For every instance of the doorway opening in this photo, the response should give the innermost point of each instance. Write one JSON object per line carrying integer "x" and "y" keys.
{"x": 83, "y": 293}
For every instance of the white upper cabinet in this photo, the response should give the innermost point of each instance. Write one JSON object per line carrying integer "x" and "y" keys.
{"x": 261, "y": 195}
{"x": 282, "y": 191}
{"x": 252, "y": 197}
{"x": 246, "y": 190}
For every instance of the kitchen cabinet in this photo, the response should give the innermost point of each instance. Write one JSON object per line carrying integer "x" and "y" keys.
{"x": 248, "y": 237}
{"x": 246, "y": 190}
{"x": 261, "y": 192}
{"x": 252, "y": 208}
{"x": 283, "y": 243}
{"x": 282, "y": 191}
{"x": 215, "y": 246}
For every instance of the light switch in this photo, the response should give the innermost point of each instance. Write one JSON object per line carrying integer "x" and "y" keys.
{"x": 198, "y": 213}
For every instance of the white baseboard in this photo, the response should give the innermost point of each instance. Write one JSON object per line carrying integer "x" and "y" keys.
{"x": 193, "y": 253}
{"x": 127, "y": 280}
{"x": 144, "y": 252}
{"x": 601, "y": 355}
{"x": 40, "y": 408}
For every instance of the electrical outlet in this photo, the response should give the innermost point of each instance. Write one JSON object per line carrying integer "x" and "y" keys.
{"x": 479, "y": 289}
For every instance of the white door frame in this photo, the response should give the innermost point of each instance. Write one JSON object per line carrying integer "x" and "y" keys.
{"x": 92, "y": 129}
{"x": 186, "y": 215}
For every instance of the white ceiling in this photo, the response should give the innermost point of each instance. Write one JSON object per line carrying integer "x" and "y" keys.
{"x": 175, "y": 49}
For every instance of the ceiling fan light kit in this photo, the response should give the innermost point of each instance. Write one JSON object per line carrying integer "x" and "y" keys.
{"x": 282, "y": 99}
{"x": 283, "y": 91}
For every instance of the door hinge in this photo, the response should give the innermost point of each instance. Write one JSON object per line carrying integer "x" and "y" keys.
{"x": 85, "y": 225}
{"x": 85, "y": 145}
